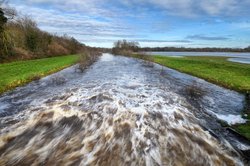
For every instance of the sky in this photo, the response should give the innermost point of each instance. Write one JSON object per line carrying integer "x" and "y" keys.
{"x": 153, "y": 23}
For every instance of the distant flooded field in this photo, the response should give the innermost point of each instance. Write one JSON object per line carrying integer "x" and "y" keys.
{"x": 240, "y": 60}
{"x": 234, "y": 57}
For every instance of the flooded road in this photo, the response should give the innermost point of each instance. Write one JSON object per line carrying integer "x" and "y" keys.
{"x": 120, "y": 111}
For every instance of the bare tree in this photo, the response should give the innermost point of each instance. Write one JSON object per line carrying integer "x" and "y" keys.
{"x": 8, "y": 11}
{"x": 125, "y": 47}
{"x": 3, "y": 20}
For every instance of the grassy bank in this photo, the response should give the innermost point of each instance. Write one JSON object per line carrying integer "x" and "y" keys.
{"x": 18, "y": 73}
{"x": 217, "y": 70}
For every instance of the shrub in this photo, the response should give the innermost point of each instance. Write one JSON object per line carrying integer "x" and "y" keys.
{"x": 3, "y": 20}
{"x": 123, "y": 47}
{"x": 194, "y": 91}
{"x": 32, "y": 40}
{"x": 21, "y": 37}
{"x": 58, "y": 80}
{"x": 55, "y": 48}
{"x": 87, "y": 58}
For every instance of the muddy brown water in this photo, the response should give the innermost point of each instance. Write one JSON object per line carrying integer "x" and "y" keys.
{"x": 120, "y": 111}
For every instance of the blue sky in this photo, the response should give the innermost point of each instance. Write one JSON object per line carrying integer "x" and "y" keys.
{"x": 153, "y": 23}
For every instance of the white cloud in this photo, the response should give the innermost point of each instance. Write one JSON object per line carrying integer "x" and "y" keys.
{"x": 77, "y": 24}
{"x": 241, "y": 25}
{"x": 176, "y": 7}
{"x": 98, "y": 21}
{"x": 91, "y": 7}
{"x": 220, "y": 6}
{"x": 196, "y": 8}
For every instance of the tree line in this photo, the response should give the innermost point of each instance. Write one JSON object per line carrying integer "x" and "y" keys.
{"x": 183, "y": 49}
{"x": 20, "y": 38}
{"x": 124, "y": 47}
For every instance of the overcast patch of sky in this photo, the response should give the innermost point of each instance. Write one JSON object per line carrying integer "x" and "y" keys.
{"x": 191, "y": 23}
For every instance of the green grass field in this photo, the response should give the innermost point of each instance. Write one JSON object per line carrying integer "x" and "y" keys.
{"x": 217, "y": 70}
{"x": 21, "y": 72}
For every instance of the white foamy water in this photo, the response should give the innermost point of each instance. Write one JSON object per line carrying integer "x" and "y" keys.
{"x": 231, "y": 119}
{"x": 119, "y": 112}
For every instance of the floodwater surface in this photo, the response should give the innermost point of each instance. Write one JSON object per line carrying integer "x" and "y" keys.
{"x": 234, "y": 57}
{"x": 120, "y": 111}
{"x": 240, "y": 60}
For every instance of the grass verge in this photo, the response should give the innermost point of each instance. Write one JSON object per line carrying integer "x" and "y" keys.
{"x": 21, "y": 72}
{"x": 218, "y": 70}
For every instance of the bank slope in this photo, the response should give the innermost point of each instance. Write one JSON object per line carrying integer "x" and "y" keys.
{"x": 18, "y": 73}
{"x": 217, "y": 70}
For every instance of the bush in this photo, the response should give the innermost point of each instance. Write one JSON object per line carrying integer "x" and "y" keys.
{"x": 32, "y": 40}
{"x": 55, "y": 48}
{"x": 148, "y": 59}
{"x": 58, "y": 80}
{"x": 87, "y": 58}
{"x": 194, "y": 91}
{"x": 21, "y": 37}
{"x": 4, "y": 42}
{"x": 247, "y": 49}
{"x": 126, "y": 48}
{"x": 3, "y": 20}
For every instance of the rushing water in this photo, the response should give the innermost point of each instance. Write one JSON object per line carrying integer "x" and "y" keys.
{"x": 121, "y": 111}
{"x": 234, "y": 57}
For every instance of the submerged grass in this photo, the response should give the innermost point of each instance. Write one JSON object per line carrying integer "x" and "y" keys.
{"x": 218, "y": 70}
{"x": 21, "y": 72}
{"x": 244, "y": 129}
